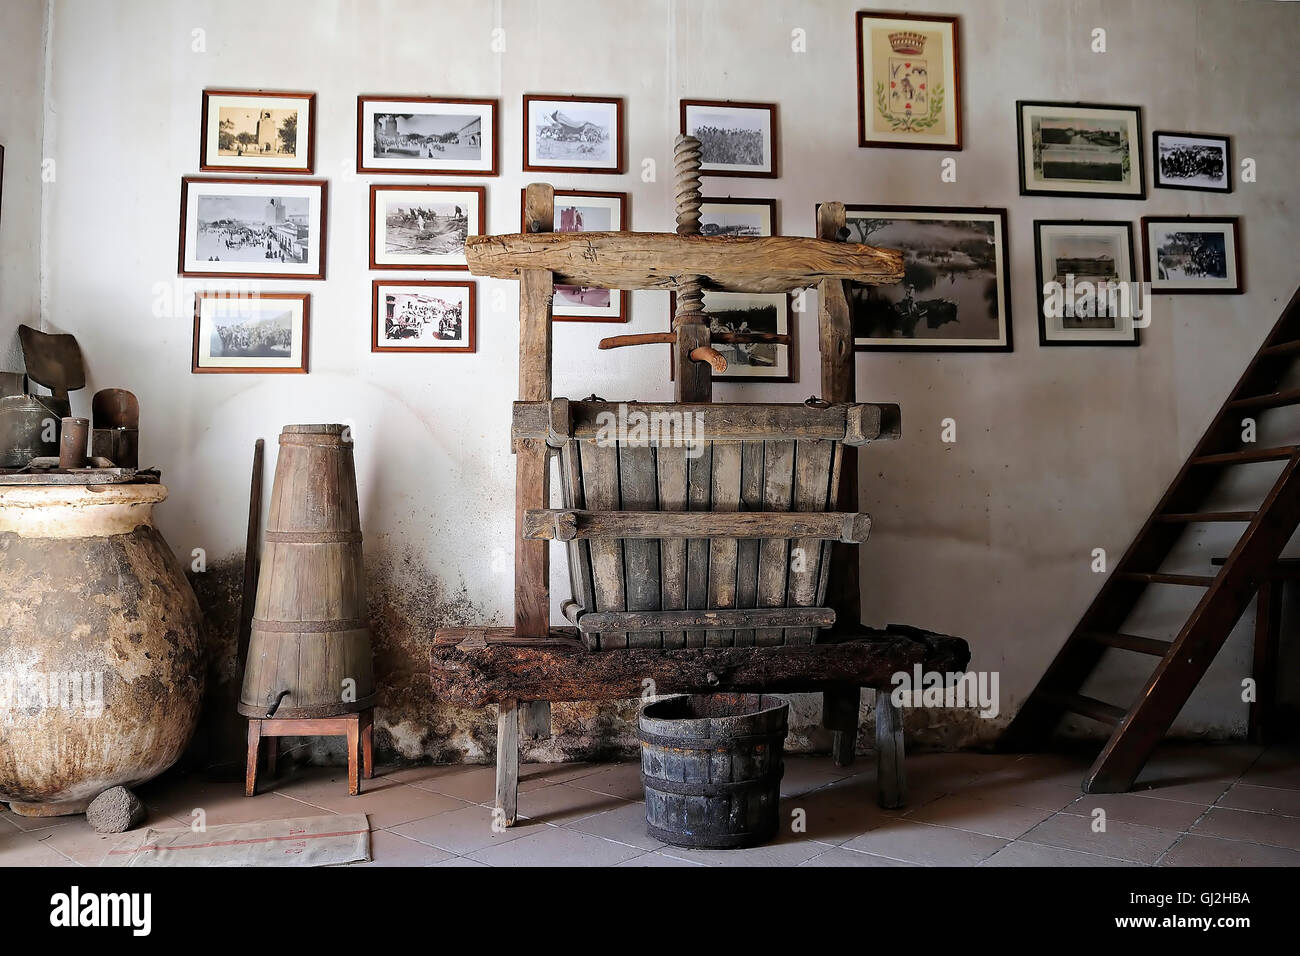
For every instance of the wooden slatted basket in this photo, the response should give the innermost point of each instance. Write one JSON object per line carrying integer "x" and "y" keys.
{"x": 719, "y": 540}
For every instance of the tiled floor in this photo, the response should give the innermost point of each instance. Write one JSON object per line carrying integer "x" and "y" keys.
{"x": 1233, "y": 805}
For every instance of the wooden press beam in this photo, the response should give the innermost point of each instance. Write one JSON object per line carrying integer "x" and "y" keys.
{"x": 568, "y": 524}
{"x": 597, "y": 622}
{"x": 655, "y": 260}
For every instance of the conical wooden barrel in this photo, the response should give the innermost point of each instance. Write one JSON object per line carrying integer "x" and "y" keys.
{"x": 311, "y": 636}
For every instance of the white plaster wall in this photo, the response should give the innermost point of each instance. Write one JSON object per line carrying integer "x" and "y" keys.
{"x": 1059, "y": 450}
{"x": 22, "y": 74}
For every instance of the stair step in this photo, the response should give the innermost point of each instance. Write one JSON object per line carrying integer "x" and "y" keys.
{"x": 1272, "y": 400}
{"x": 1098, "y": 710}
{"x": 1280, "y": 453}
{"x": 1282, "y": 348}
{"x": 1129, "y": 642}
{"x": 1193, "y": 517}
{"x": 1190, "y": 580}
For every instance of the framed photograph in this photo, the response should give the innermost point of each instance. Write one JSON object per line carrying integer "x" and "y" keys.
{"x": 737, "y": 217}
{"x": 573, "y": 134}
{"x": 423, "y": 227}
{"x": 1082, "y": 267}
{"x": 749, "y": 313}
{"x": 425, "y": 135}
{"x": 247, "y": 130}
{"x": 1192, "y": 253}
{"x": 261, "y": 334}
{"x": 252, "y": 228}
{"x": 909, "y": 92}
{"x": 955, "y": 295}
{"x": 581, "y": 210}
{"x": 424, "y": 316}
{"x": 736, "y": 139}
{"x": 1080, "y": 149}
{"x": 1198, "y": 161}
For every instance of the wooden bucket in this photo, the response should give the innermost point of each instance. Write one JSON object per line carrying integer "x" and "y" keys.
{"x": 309, "y": 652}
{"x": 712, "y": 767}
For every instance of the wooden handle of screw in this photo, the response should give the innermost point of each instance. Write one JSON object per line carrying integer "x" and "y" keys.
{"x": 708, "y": 355}
{"x": 639, "y": 338}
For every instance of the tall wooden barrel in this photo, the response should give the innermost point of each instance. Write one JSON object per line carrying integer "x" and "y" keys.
{"x": 712, "y": 767}
{"x": 309, "y": 652}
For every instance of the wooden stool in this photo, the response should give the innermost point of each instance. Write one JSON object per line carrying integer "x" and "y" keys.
{"x": 358, "y": 728}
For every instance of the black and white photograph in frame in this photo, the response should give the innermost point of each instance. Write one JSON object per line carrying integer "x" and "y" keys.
{"x": 261, "y": 130}
{"x": 583, "y": 210}
{"x": 1080, "y": 149}
{"x": 736, "y": 139}
{"x": 266, "y": 333}
{"x": 737, "y": 217}
{"x": 1197, "y": 161}
{"x": 422, "y": 316}
{"x": 746, "y": 314}
{"x": 1192, "y": 254}
{"x": 1085, "y": 275}
{"x": 255, "y": 228}
{"x": 425, "y": 135}
{"x": 573, "y": 134}
{"x": 955, "y": 293}
{"x": 423, "y": 227}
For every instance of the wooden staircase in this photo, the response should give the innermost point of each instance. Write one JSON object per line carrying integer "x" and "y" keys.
{"x": 1184, "y": 660}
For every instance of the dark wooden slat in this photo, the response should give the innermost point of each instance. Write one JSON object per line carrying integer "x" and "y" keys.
{"x": 1196, "y": 517}
{"x": 1282, "y": 348}
{"x": 600, "y": 486}
{"x": 1188, "y": 580}
{"x": 699, "y": 488}
{"x": 723, "y": 551}
{"x": 812, "y": 473}
{"x": 564, "y": 524}
{"x": 1091, "y": 707}
{"x": 729, "y": 618}
{"x": 1129, "y": 642}
{"x": 773, "y": 553}
{"x": 1290, "y": 396}
{"x": 671, "y": 464}
{"x": 636, "y": 475}
{"x": 751, "y": 499}
{"x": 1247, "y": 456}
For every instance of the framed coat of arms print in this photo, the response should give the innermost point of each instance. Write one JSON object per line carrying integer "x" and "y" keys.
{"x": 908, "y": 81}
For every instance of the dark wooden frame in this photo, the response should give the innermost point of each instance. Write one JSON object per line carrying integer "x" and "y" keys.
{"x": 377, "y": 188}
{"x": 471, "y": 319}
{"x": 1149, "y": 275}
{"x": 774, "y": 173}
{"x": 743, "y": 201}
{"x": 1043, "y": 340}
{"x": 1155, "y": 161}
{"x": 304, "y": 297}
{"x": 214, "y": 164}
{"x": 956, "y": 76}
{"x": 620, "y": 152}
{"x": 792, "y": 333}
{"x": 625, "y": 297}
{"x": 998, "y": 211}
{"x": 321, "y": 184}
{"x": 1136, "y": 165}
{"x": 494, "y": 106}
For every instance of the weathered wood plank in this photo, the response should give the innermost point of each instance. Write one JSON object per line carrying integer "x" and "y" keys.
{"x": 600, "y": 486}
{"x": 648, "y": 260}
{"x": 671, "y": 465}
{"x": 699, "y": 488}
{"x": 812, "y": 474}
{"x": 640, "y": 556}
{"x": 560, "y": 670}
{"x": 507, "y": 782}
{"x": 891, "y": 777}
{"x": 774, "y": 553}
{"x": 566, "y": 524}
{"x": 723, "y": 551}
{"x": 729, "y": 619}
{"x": 751, "y": 499}
{"x": 578, "y": 553}
{"x": 664, "y": 423}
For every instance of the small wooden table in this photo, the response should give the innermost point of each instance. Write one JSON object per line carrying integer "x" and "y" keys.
{"x": 358, "y": 728}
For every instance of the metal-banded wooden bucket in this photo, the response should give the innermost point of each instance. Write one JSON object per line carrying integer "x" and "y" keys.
{"x": 712, "y": 768}
{"x": 309, "y": 652}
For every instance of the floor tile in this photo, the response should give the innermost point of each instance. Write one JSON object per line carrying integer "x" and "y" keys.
{"x": 926, "y": 844}
{"x": 1267, "y": 828}
{"x": 1143, "y": 810}
{"x": 838, "y": 856}
{"x": 1196, "y": 850}
{"x": 990, "y": 817}
{"x": 1040, "y": 794}
{"x": 564, "y": 803}
{"x": 22, "y": 849}
{"x": 534, "y": 775}
{"x": 1035, "y": 854}
{"x": 389, "y": 805}
{"x": 786, "y": 850}
{"x": 1245, "y": 796}
{"x": 1123, "y": 841}
{"x": 626, "y": 824}
{"x": 460, "y": 861}
{"x": 28, "y": 824}
{"x": 81, "y": 843}
{"x": 392, "y": 849}
{"x": 1276, "y": 767}
{"x": 805, "y": 774}
{"x": 471, "y": 784}
{"x": 657, "y": 859}
{"x": 617, "y": 780}
{"x": 556, "y": 846}
{"x": 461, "y": 831}
{"x": 835, "y": 814}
